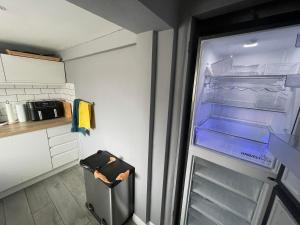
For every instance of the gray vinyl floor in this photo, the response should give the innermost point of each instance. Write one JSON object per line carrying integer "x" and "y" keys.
{"x": 58, "y": 200}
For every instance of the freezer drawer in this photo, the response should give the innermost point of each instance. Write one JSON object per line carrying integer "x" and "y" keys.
{"x": 218, "y": 195}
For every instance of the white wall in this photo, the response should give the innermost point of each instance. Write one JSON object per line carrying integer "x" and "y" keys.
{"x": 119, "y": 83}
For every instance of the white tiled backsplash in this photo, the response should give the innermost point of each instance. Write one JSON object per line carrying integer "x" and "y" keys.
{"x": 14, "y": 93}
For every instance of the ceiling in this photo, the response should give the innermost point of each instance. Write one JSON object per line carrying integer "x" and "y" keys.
{"x": 50, "y": 24}
{"x": 269, "y": 40}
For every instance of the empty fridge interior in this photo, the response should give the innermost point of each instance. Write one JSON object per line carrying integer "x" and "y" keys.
{"x": 244, "y": 95}
{"x": 221, "y": 196}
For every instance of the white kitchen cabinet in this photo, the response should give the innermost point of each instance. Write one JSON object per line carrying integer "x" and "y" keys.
{"x": 2, "y": 77}
{"x": 23, "y": 157}
{"x": 61, "y": 139}
{"x": 56, "y": 131}
{"x": 27, "y": 70}
{"x": 280, "y": 215}
{"x": 64, "y": 146}
{"x": 65, "y": 158}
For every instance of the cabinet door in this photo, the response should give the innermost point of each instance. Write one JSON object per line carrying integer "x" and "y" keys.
{"x": 2, "y": 77}
{"x": 56, "y": 131}
{"x": 27, "y": 70}
{"x": 23, "y": 157}
{"x": 280, "y": 215}
{"x": 65, "y": 158}
{"x": 61, "y": 139}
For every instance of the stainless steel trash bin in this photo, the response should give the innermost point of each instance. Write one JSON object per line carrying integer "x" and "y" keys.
{"x": 111, "y": 203}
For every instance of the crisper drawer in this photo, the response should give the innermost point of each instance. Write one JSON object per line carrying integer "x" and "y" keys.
{"x": 221, "y": 196}
{"x": 246, "y": 141}
{"x": 64, "y": 158}
{"x": 61, "y": 139}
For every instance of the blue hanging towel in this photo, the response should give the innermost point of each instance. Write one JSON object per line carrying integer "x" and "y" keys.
{"x": 75, "y": 119}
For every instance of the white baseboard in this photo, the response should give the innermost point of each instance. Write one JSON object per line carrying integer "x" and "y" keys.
{"x": 138, "y": 221}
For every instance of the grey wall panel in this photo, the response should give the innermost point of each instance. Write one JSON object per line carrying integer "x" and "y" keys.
{"x": 163, "y": 82}
{"x": 178, "y": 110}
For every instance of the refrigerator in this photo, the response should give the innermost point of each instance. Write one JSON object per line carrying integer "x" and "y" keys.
{"x": 244, "y": 126}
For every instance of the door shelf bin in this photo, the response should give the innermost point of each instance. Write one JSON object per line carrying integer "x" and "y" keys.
{"x": 287, "y": 149}
{"x": 238, "y": 139}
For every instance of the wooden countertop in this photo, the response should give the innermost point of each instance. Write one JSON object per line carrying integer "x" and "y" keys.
{"x": 20, "y": 128}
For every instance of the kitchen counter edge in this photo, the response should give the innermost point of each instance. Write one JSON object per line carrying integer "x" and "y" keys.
{"x": 30, "y": 126}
